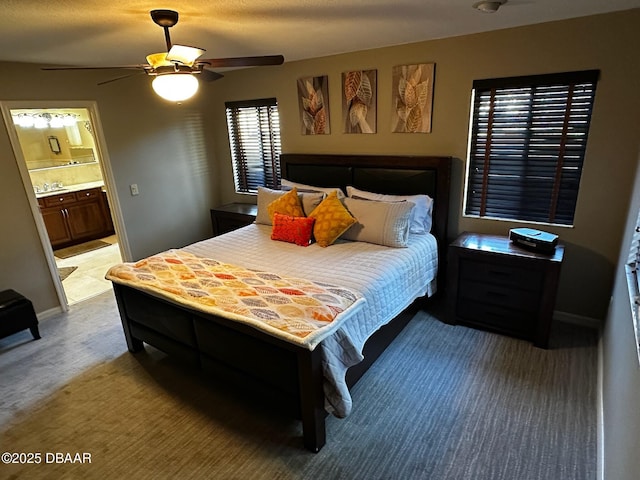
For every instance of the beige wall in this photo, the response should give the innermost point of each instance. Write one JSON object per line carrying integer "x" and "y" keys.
{"x": 22, "y": 262}
{"x": 160, "y": 146}
{"x": 179, "y": 156}
{"x": 607, "y": 42}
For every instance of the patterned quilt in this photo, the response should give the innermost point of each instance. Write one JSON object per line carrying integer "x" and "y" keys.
{"x": 297, "y": 310}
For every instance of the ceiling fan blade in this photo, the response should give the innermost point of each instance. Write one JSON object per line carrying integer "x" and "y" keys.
{"x": 244, "y": 61}
{"x": 210, "y": 75}
{"x": 95, "y": 67}
{"x": 119, "y": 78}
{"x": 184, "y": 54}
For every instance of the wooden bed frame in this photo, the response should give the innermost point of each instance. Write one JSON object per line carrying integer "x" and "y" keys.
{"x": 237, "y": 352}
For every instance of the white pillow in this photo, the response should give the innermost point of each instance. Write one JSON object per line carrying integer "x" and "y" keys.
{"x": 420, "y": 221}
{"x": 383, "y": 223}
{"x": 309, "y": 201}
{"x": 288, "y": 185}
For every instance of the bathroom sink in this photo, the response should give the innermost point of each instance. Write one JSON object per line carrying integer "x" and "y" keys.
{"x": 51, "y": 191}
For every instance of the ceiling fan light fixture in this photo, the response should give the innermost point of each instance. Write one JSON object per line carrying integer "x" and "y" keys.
{"x": 183, "y": 54}
{"x": 175, "y": 87}
{"x": 158, "y": 60}
{"x": 489, "y": 6}
{"x": 175, "y": 70}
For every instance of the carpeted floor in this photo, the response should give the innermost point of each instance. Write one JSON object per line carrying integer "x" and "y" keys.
{"x": 443, "y": 402}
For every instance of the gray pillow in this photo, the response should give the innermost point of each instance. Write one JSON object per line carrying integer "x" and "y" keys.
{"x": 420, "y": 217}
{"x": 303, "y": 187}
{"x": 383, "y": 223}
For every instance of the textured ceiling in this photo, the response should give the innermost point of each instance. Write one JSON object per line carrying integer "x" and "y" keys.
{"x": 115, "y": 32}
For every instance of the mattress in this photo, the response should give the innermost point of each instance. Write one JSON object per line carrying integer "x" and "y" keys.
{"x": 390, "y": 279}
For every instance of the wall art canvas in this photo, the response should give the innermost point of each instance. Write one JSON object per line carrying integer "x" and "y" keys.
{"x": 412, "y": 98}
{"x": 359, "y": 103}
{"x": 313, "y": 102}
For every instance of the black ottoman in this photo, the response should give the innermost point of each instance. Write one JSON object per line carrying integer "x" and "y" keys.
{"x": 16, "y": 314}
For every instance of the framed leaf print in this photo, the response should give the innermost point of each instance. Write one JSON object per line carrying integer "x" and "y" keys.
{"x": 313, "y": 102}
{"x": 359, "y": 103}
{"x": 412, "y": 98}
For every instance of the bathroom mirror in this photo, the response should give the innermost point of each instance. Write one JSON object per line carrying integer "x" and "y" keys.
{"x": 55, "y": 137}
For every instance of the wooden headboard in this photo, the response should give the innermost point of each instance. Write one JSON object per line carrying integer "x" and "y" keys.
{"x": 398, "y": 175}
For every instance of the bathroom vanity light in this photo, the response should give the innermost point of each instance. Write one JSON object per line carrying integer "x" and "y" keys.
{"x": 45, "y": 120}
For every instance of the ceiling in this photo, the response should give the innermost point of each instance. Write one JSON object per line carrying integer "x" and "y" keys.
{"x": 117, "y": 32}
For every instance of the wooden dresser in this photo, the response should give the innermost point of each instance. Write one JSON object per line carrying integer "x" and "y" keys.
{"x": 496, "y": 285}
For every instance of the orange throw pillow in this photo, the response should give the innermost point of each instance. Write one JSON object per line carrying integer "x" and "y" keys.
{"x": 287, "y": 228}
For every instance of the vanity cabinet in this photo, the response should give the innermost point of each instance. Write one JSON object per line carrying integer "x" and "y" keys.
{"x": 75, "y": 217}
{"x": 55, "y": 220}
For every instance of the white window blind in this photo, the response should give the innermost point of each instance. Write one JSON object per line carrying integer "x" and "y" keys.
{"x": 527, "y": 146}
{"x": 254, "y": 137}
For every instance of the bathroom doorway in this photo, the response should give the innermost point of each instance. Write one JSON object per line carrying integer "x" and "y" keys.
{"x": 67, "y": 175}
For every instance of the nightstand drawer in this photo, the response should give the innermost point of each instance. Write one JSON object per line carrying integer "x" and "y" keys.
{"x": 495, "y": 273}
{"x": 498, "y": 318}
{"x": 504, "y": 295}
{"x": 227, "y": 223}
{"x": 232, "y": 216}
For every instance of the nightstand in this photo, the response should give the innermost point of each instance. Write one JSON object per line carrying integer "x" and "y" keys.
{"x": 231, "y": 216}
{"x": 498, "y": 286}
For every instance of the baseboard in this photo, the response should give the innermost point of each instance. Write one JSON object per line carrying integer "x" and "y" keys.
{"x": 577, "y": 319}
{"x": 48, "y": 313}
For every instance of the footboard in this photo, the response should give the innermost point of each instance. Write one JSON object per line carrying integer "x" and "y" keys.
{"x": 229, "y": 350}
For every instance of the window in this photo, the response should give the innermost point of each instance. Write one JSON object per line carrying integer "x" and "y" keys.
{"x": 254, "y": 137}
{"x": 527, "y": 146}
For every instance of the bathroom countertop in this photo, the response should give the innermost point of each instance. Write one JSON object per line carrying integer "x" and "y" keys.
{"x": 71, "y": 188}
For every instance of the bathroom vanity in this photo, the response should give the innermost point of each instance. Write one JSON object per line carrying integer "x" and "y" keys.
{"x": 75, "y": 215}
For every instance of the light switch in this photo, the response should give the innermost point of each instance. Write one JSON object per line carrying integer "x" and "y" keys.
{"x": 134, "y": 189}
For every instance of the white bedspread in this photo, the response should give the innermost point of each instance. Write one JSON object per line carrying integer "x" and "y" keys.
{"x": 389, "y": 278}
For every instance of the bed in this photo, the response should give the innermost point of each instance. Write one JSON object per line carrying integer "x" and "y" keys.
{"x": 313, "y": 379}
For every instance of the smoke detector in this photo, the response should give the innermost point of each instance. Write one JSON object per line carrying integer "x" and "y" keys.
{"x": 489, "y": 6}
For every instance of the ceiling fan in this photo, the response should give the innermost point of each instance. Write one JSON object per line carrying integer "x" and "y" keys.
{"x": 175, "y": 70}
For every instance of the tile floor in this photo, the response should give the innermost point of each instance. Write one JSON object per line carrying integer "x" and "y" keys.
{"x": 88, "y": 280}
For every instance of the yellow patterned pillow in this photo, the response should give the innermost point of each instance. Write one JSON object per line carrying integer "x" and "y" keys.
{"x": 287, "y": 204}
{"x": 332, "y": 220}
